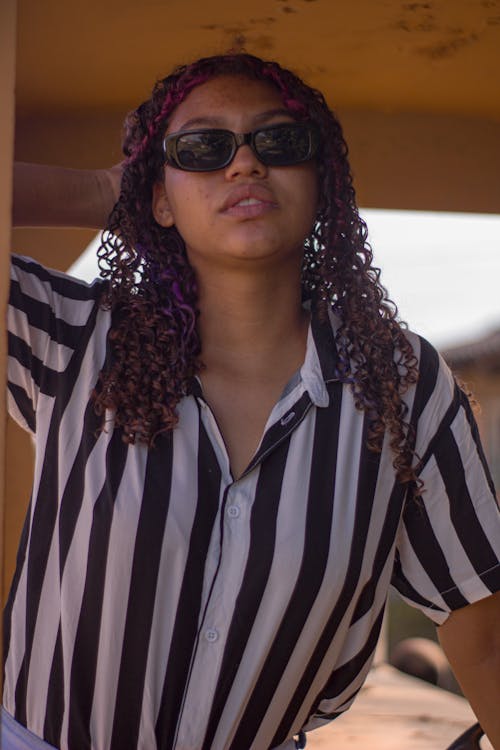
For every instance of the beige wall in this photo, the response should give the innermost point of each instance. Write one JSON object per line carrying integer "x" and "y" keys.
{"x": 424, "y": 162}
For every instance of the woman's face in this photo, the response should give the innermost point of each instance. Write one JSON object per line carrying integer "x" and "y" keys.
{"x": 246, "y": 211}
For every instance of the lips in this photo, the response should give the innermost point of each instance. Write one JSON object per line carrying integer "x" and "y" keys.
{"x": 249, "y": 198}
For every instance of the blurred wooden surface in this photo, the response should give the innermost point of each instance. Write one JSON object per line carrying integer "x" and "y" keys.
{"x": 397, "y": 712}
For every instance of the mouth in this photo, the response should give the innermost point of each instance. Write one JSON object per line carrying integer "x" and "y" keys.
{"x": 249, "y": 201}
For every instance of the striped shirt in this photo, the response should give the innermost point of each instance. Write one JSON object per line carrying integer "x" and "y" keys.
{"x": 159, "y": 603}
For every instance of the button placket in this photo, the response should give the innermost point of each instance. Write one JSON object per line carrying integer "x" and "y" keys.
{"x": 221, "y": 592}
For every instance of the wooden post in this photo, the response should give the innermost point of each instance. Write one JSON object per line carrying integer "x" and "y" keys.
{"x": 8, "y": 17}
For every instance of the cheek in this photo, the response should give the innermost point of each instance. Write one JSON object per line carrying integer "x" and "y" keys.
{"x": 189, "y": 200}
{"x": 315, "y": 187}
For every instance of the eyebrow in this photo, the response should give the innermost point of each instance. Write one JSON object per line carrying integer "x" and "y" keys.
{"x": 217, "y": 121}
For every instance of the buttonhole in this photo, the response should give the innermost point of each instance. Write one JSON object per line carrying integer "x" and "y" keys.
{"x": 287, "y": 419}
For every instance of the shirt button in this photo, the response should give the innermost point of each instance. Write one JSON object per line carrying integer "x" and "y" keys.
{"x": 211, "y": 635}
{"x": 233, "y": 511}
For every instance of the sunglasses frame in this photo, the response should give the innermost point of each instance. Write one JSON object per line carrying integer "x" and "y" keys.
{"x": 239, "y": 139}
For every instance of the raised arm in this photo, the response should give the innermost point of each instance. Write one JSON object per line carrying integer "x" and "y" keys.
{"x": 471, "y": 640}
{"x": 57, "y": 196}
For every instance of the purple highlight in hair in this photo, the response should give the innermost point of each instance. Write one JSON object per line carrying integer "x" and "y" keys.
{"x": 140, "y": 249}
{"x": 294, "y": 105}
{"x": 189, "y": 81}
{"x": 176, "y": 289}
{"x": 173, "y": 98}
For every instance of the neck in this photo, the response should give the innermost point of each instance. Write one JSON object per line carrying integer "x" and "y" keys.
{"x": 249, "y": 320}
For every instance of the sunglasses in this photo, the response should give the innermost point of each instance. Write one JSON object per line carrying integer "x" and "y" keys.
{"x": 210, "y": 149}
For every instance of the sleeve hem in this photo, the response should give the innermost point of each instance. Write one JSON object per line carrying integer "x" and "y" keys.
{"x": 490, "y": 580}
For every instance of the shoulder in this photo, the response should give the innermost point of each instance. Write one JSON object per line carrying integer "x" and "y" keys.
{"x": 38, "y": 281}
{"x": 51, "y": 305}
{"x": 436, "y": 380}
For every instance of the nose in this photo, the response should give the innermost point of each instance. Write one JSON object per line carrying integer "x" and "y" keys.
{"x": 245, "y": 162}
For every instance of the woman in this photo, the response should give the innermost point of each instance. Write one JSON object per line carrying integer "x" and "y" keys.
{"x": 238, "y": 446}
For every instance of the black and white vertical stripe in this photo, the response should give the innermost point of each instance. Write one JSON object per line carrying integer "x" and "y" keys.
{"x": 158, "y": 603}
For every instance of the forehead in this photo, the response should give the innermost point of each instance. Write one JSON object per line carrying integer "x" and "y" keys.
{"x": 227, "y": 95}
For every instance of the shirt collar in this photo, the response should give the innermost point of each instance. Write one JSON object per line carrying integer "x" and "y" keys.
{"x": 319, "y": 365}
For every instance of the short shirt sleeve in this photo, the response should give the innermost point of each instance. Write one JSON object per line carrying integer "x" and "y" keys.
{"x": 448, "y": 547}
{"x": 47, "y": 316}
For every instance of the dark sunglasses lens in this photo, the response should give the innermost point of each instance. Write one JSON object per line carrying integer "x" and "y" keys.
{"x": 284, "y": 145}
{"x": 204, "y": 151}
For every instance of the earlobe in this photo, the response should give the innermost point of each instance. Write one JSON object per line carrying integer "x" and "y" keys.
{"x": 161, "y": 206}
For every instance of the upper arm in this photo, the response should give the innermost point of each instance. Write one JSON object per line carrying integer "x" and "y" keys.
{"x": 471, "y": 640}
{"x": 471, "y": 633}
{"x": 48, "y": 318}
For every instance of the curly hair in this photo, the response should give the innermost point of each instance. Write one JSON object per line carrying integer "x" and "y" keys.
{"x": 152, "y": 288}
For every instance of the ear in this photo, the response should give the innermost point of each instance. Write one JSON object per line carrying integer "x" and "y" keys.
{"x": 161, "y": 206}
